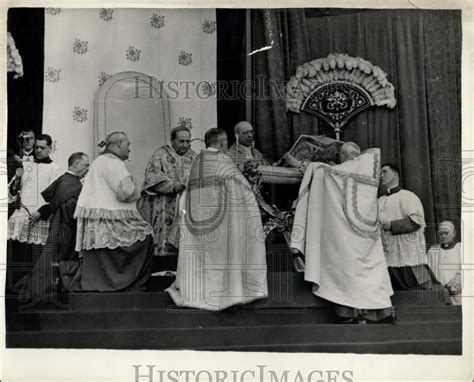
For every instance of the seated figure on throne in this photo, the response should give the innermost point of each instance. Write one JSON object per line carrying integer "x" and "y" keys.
{"x": 337, "y": 231}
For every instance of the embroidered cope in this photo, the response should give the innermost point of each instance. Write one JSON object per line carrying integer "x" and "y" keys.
{"x": 337, "y": 229}
{"x": 221, "y": 258}
{"x": 158, "y": 202}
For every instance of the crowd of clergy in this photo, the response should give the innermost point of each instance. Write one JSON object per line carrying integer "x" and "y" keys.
{"x": 93, "y": 228}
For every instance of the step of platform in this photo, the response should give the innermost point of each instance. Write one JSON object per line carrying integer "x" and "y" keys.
{"x": 431, "y": 347}
{"x": 292, "y": 319}
{"x": 286, "y": 290}
{"x": 188, "y": 318}
{"x": 443, "y": 338}
{"x": 164, "y": 318}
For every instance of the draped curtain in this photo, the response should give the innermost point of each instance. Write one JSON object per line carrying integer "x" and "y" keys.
{"x": 285, "y": 31}
{"x": 26, "y": 92}
{"x": 420, "y": 50}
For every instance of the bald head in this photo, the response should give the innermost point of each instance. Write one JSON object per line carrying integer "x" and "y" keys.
{"x": 244, "y": 133}
{"x": 349, "y": 151}
{"x": 118, "y": 143}
{"x": 114, "y": 138}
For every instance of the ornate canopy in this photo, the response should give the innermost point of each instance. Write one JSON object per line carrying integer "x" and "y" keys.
{"x": 338, "y": 87}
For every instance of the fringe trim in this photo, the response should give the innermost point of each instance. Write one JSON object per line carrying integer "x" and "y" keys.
{"x": 96, "y": 234}
{"x": 408, "y": 264}
{"x": 102, "y": 213}
{"x": 19, "y": 229}
{"x": 89, "y": 246}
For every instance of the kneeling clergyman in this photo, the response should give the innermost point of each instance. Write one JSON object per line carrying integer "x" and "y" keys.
{"x": 114, "y": 241}
{"x": 403, "y": 221}
{"x": 445, "y": 260}
{"x": 336, "y": 228}
{"x": 221, "y": 259}
{"x": 41, "y": 284}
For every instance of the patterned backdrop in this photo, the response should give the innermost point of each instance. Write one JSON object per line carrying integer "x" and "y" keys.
{"x": 83, "y": 47}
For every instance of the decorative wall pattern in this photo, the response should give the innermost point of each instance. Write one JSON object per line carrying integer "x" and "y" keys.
{"x": 84, "y": 47}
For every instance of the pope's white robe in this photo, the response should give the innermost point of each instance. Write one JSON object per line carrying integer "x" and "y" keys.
{"x": 221, "y": 259}
{"x": 337, "y": 229}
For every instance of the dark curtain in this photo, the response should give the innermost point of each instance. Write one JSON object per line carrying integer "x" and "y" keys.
{"x": 285, "y": 31}
{"x": 25, "y": 94}
{"x": 420, "y": 50}
{"x": 231, "y": 67}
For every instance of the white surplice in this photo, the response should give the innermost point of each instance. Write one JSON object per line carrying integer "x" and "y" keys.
{"x": 36, "y": 178}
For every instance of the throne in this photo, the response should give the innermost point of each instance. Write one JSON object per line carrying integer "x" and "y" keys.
{"x": 138, "y": 105}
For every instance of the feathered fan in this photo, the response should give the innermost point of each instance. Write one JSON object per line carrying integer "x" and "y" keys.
{"x": 338, "y": 87}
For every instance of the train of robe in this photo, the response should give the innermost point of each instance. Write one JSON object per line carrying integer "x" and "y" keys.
{"x": 221, "y": 259}
{"x": 336, "y": 228}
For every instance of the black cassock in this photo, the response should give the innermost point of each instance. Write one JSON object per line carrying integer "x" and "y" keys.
{"x": 58, "y": 257}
